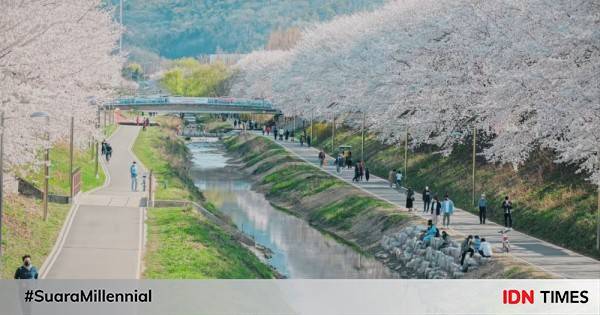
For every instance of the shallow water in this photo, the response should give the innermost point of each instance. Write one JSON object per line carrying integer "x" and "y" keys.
{"x": 299, "y": 250}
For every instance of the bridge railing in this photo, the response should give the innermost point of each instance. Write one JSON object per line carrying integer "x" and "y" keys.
{"x": 191, "y": 101}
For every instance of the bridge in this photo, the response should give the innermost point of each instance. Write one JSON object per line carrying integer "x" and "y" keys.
{"x": 177, "y": 104}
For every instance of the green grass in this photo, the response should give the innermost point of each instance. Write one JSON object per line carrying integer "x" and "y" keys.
{"x": 183, "y": 245}
{"x": 59, "y": 170}
{"x": 109, "y": 130}
{"x": 341, "y": 213}
{"x": 167, "y": 156}
{"x": 545, "y": 194}
{"x": 25, "y": 232}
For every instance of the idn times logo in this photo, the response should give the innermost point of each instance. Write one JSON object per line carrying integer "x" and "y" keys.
{"x": 514, "y": 296}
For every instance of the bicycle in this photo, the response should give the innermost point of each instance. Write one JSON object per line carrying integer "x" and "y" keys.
{"x": 504, "y": 239}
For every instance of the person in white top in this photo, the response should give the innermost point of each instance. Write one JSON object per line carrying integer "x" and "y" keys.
{"x": 485, "y": 249}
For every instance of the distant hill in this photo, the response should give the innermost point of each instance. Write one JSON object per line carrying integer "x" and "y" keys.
{"x": 178, "y": 28}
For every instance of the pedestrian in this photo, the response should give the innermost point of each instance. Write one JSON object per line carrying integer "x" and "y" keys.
{"x": 27, "y": 271}
{"x": 349, "y": 159}
{"x": 133, "y": 171}
{"x": 292, "y": 135}
{"x": 301, "y": 140}
{"x": 275, "y": 133}
{"x": 426, "y": 199}
{"x": 485, "y": 249}
{"x": 280, "y": 134}
{"x": 308, "y": 139}
{"x": 507, "y": 206}
{"x": 339, "y": 163}
{"x": 356, "y": 172}
{"x": 482, "y": 209}
{"x": 410, "y": 198}
{"x": 362, "y": 170}
{"x": 436, "y": 207}
{"x": 398, "y": 180}
{"x": 103, "y": 147}
{"x": 447, "y": 211}
{"x": 108, "y": 153}
{"x": 367, "y": 173}
{"x": 321, "y": 158}
{"x": 466, "y": 247}
{"x": 392, "y": 177}
{"x": 137, "y": 120}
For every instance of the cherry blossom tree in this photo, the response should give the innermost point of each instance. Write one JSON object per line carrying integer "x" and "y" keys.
{"x": 55, "y": 57}
{"x": 524, "y": 73}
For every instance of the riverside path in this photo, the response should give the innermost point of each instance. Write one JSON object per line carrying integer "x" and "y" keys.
{"x": 103, "y": 237}
{"x": 553, "y": 259}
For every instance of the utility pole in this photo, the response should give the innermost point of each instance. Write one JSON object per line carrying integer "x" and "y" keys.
{"x": 362, "y": 143}
{"x": 122, "y": 28}
{"x": 474, "y": 155}
{"x": 406, "y": 157}
{"x": 1, "y": 175}
{"x": 71, "y": 138}
{"x": 598, "y": 222}
{"x": 46, "y": 168}
{"x": 312, "y": 119}
{"x": 333, "y": 133}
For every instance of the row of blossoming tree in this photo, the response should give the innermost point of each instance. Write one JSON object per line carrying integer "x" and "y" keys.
{"x": 56, "y": 57}
{"x": 524, "y": 73}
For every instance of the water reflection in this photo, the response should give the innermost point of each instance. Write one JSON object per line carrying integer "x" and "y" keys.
{"x": 299, "y": 251}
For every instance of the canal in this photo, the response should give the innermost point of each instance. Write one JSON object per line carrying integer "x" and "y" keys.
{"x": 297, "y": 249}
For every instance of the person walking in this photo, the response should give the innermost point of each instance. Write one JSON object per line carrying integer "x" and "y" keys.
{"x": 398, "y": 180}
{"x": 447, "y": 211}
{"x": 275, "y": 133}
{"x": 361, "y": 169}
{"x": 287, "y": 135}
{"x": 108, "y": 152}
{"x": 367, "y": 173}
{"x": 292, "y": 135}
{"x": 103, "y": 147}
{"x": 356, "y": 173}
{"x": 507, "y": 207}
{"x": 133, "y": 171}
{"x": 27, "y": 271}
{"x": 436, "y": 207}
{"x": 308, "y": 139}
{"x": 482, "y": 203}
{"x": 339, "y": 163}
{"x": 321, "y": 158}
{"x": 392, "y": 177}
{"x": 301, "y": 140}
{"x": 410, "y": 198}
{"x": 426, "y": 196}
{"x": 349, "y": 159}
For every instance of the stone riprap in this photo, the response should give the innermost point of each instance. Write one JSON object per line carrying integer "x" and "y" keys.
{"x": 405, "y": 252}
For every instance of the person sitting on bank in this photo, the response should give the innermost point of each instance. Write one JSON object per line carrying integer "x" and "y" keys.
{"x": 431, "y": 232}
{"x": 27, "y": 270}
{"x": 446, "y": 240}
{"x": 485, "y": 249}
{"x": 466, "y": 247}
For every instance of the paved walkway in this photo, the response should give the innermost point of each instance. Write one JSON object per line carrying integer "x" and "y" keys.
{"x": 551, "y": 258}
{"x": 104, "y": 239}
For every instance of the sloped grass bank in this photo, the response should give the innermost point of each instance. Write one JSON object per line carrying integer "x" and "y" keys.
{"x": 26, "y": 232}
{"x": 326, "y": 202}
{"x": 166, "y": 155}
{"x": 182, "y": 244}
{"x": 340, "y": 209}
{"x": 59, "y": 170}
{"x": 551, "y": 201}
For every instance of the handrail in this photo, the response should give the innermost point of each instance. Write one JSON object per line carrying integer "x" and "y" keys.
{"x": 191, "y": 101}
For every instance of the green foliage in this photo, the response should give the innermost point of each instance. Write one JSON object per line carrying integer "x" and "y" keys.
{"x": 182, "y": 244}
{"x": 176, "y": 29}
{"x": 544, "y": 194}
{"x": 133, "y": 71}
{"x": 188, "y": 77}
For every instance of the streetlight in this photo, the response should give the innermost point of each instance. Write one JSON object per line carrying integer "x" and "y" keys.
{"x": 46, "y": 158}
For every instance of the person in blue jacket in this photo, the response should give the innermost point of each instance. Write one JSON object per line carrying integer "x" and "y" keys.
{"x": 447, "y": 211}
{"x": 27, "y": 270}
